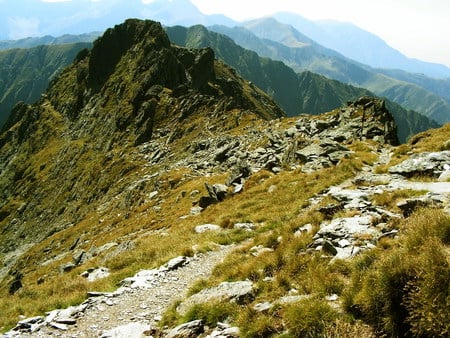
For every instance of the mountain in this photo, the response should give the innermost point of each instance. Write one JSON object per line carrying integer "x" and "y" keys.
{"x": 26, "y": 73}
{"x": 304, "y": 92}
{"x": 146, "y": 166}
{"x": 40, "y": 18}
{"x": 318, "y": 59}
{"x": 360, "y": 45}
{"x": 439, "y": 87}
{"x": 116, "y": 96}
{"x": 48, "y": 40}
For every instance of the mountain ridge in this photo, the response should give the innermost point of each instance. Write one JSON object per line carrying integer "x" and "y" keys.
{"x": 343, "y": 36}
{"x": 329, "y": 63}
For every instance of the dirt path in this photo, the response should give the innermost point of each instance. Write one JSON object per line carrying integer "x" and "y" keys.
{"x": 129, "y": 312}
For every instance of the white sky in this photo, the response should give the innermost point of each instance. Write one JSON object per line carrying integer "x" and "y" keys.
{"x": 417, "y": 28}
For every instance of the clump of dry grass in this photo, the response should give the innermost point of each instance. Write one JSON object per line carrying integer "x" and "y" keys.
{"x": 404, "y": 290}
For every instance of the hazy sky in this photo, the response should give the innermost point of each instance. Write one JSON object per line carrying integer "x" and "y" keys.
{"x": 417, "y": 28}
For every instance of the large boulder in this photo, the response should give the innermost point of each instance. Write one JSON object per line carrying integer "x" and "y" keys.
{"x": 240, "y": 292}
{"x": 432, "y": 164}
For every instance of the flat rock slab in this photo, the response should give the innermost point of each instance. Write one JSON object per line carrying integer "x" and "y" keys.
{"x": 341, "y": 227}
{"x": 130, "y": 330}
{"x": 424, "y": 163}
{"x": 228, "y": 291}
{"x": 207, "y": 227}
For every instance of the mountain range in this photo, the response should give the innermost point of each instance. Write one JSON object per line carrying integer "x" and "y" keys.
{"x": 282, "y": 41}
{"x": 345, "y": 38}
{"x": 279, "y": 41}
{"x": 305, "y": 92}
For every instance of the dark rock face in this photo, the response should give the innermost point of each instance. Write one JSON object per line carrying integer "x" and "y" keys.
{"x": 116, "y": 41}
{"x": 376, "y": 120}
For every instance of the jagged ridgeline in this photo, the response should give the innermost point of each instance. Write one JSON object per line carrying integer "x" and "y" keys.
{"x": 73, "y": 148}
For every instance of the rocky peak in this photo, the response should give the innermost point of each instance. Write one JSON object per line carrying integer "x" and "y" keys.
{"x": 115, "y": 42}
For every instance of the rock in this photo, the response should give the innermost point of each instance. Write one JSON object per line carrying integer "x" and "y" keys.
{"x": 330, "y": 209}
{"x": 272, "y": 189}
{"x": 94, "y": 274}
{"x": 309, "y": 153}
{"x": 28, "y": 325}
{"x": 206, "y": 227}
{"x": 218, "y": 192}
{"x": 59, "y": 326}
{"x": 238, "y": 174}
{"x": 332, "y": 298}
{"x": 245, "y": 226}
{"x": 433, "y": 164}
{"x": 187, "y": 330}
{"x": 96, "y": 294}
{"x": 206, "y": 201}
{"x": 67, "y": 267}
{"x": 177, "y": 262}
{"x": 196, "y": 210}
{"x": 130, "y": 330}
{"x": 445, "y": 176}
{"x": 224, "y": 330}
{"x": 259, "y": 250}
{"x": 328, "y": 247}
{"x": 80, "y": 256}
{"x": 408, "y": 206}
{"x": 344, "y": 243}
{"x": 343, "y": 227}
{"x": 262, "y": 307}
{"x": 194, "y": 193}
{"x": 240, "y": 292}
{"x": 66, "y": 321}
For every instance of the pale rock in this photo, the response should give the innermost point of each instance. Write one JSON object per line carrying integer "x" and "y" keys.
{"x": 239, "y": 292}
{"x": 187, "y": 330}
{"x": 206, "y": 227}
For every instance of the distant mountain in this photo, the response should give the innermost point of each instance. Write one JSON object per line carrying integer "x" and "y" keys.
{"x": 439, "y": 87}
{"x": 39, "y": 18}
{"x": 304, "y": 92}
{"x": 26, "y": 73}
{"x": 48, "y": 40}
{"x": 295, "y": 93}
{"x": 360, "y": 45}
{"x": 304, "y": 54}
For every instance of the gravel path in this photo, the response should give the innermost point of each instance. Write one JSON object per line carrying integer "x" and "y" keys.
{"x": 131, "y": 311}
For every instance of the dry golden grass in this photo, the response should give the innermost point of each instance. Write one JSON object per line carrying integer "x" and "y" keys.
{"x": 390, "y": 199}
